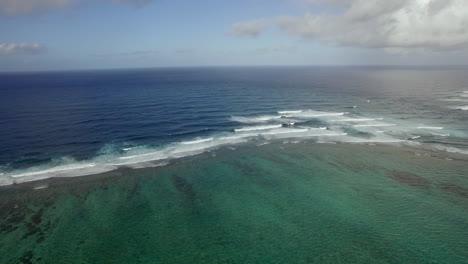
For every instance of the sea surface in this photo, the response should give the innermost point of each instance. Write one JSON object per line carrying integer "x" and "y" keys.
{"x": 235, "y": 165}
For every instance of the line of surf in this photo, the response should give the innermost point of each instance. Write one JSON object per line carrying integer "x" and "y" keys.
{"x": 149, "y": 156}
{"x": 430, "y": 127}
{"x": 374, "y": 125}
{"x": 356, "y": 119}
{"x": 254, "y": 119}
{"x": 254, "y": 128}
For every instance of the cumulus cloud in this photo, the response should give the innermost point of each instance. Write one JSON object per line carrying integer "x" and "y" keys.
{"x": 18, "y": 7}
{"x": 395, "y": 24}
{"x": 21, "y": 49}
{"x": 252, "y": 28}
{"x": 24, "y": 7}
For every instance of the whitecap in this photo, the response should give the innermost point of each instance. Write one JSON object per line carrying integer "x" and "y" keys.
{"x": 430, "y": 127}
{"x": 197, "y": 141}
{"x": 455, "y": 100}
{"x": 56, "y": 169}
{"x": 356, "y": 119}
{"x": 253, "y": 128}
{"x": 254, "y": 119}
{"x": 450, "y": 149}
{"x": 315, "y": 114}
{"x": 374, "y": 125}
{"x": 284, "y": 131}
{"x": 289, "y": 112}
{"x": 39, "y": 187}
{"x": 464, "y": 108}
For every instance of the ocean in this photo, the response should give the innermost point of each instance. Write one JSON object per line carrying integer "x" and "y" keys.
{"x": 235, "y": 165}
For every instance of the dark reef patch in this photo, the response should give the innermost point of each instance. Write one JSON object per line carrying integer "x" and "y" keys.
{"x": 454, "y": 189}
{"x": 244, "y": 167}
{"x": 409, "y": 179}
{"x": 26, "y": 258}
{"x": 183, "y": 186}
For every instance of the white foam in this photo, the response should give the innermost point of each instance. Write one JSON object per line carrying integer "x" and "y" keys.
{"x": 451, "y": 149}
{"x": 382, "y": 140}
{"x": 330, "y": 135}
{"x": 284, "y": 131}
{"x": 140, "y": 155}
{"x": 67, "y": 170}
{"x": 289, "y": 112}
{"x": 464, "y": 108}
{"x": 196, "y": 141}
{"x": 441, "y": 135}
{"x": 253, "y": 128}
{"x": 325, "y": 142}
{"x": 62, "y": 168}
{"x": 430, "y": 127}
{"x": 237, "y": 137}
{"x": 356, "y": 119}
{"x": 182, "y": 149}
{"x": 254, "y": 119}
{"x": 314, "y": 114}
{"x": 374, "y": 125}
{"x": 455, "y": 100}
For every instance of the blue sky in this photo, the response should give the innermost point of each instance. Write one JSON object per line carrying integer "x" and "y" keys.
{"x": 94, "y": 34}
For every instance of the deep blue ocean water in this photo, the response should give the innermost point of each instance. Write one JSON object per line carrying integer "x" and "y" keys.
{"x": 83, "y": 122}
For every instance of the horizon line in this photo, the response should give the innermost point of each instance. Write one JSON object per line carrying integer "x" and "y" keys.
{"x": 243, "y": 66}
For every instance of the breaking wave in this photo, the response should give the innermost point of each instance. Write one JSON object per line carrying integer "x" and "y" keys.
{"x": 335, "y": 127}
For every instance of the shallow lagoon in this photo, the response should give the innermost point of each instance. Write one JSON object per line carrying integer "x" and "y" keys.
{"x": 275, "y": 203}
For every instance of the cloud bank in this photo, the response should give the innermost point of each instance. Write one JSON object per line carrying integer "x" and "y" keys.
{"x": 18, "y": 7}
{"x": 25, "y": 7}
{"x": 21, "y": 49}
{"x": 395, "y": 24}
{"x": 252, "y": 28}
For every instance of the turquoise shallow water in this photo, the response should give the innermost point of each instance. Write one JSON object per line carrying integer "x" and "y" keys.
{"x": 275, "y": 203}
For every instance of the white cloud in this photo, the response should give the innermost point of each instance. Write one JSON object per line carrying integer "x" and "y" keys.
{"x": 18, "y": 7}
{"x": 252, "y": 28}
{"x": 24, "y": 7}
{"x": 387, "y": 24}
{"x": 21, "y": 48}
